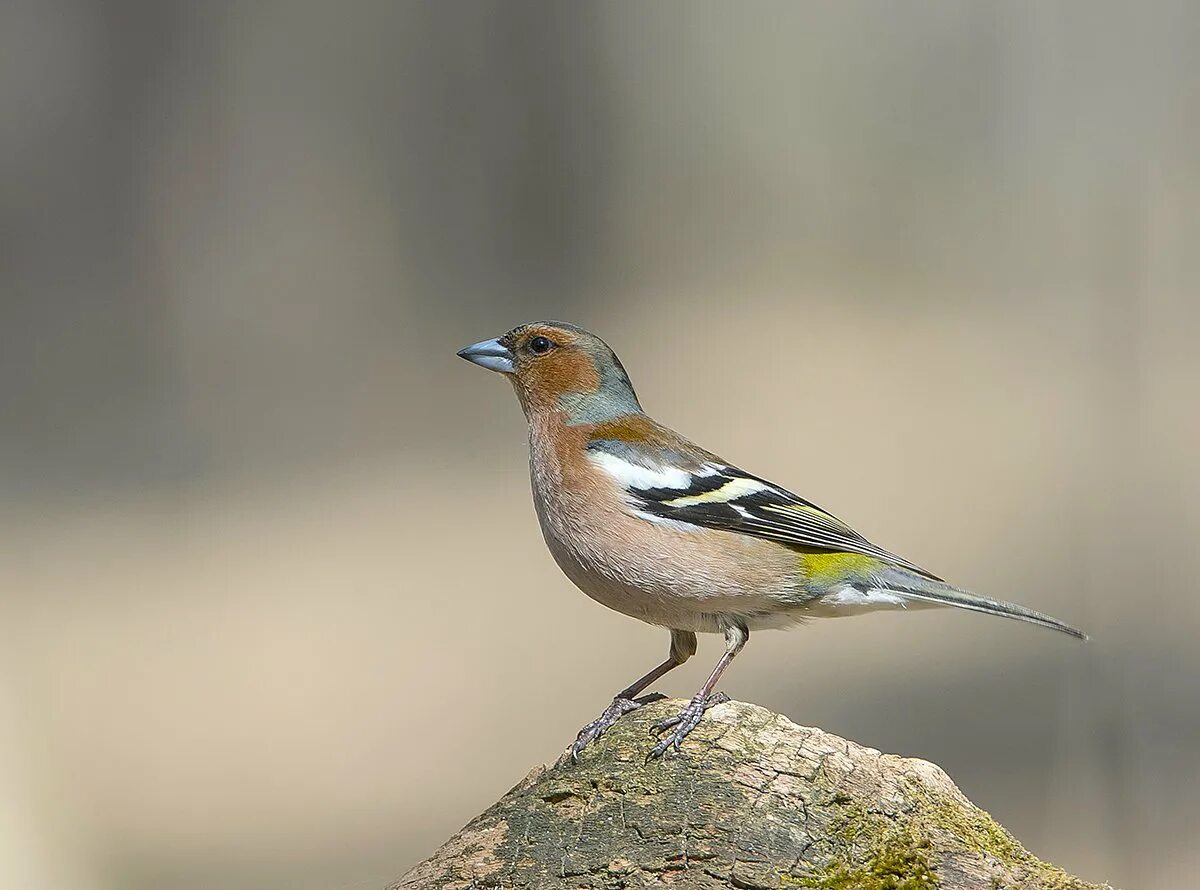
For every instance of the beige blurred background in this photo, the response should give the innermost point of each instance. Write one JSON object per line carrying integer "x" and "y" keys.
{"x": 274, "y": 609}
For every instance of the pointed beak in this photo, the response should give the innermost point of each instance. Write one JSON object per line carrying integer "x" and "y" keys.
{"x": 490, "y": 354}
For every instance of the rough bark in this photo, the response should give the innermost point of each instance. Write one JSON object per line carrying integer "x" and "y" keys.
{"x": 752, "y": 801}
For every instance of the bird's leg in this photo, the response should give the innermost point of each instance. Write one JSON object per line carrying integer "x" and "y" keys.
{"x": 689, "y": 717}
{"x": 683, "y": 647}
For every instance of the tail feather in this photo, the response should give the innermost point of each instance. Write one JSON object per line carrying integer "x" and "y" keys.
{"x": 912, "y": 586}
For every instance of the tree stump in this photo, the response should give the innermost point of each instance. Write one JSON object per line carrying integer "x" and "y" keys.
{"x": 752, "y": 801}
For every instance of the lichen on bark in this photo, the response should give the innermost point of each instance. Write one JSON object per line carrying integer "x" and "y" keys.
{"x": 753, "y": 801}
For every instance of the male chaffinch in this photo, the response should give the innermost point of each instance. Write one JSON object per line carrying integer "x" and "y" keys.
{"x": 653, "y": 526}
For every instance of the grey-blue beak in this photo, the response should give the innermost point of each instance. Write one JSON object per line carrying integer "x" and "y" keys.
{"x": 490, "y": 354}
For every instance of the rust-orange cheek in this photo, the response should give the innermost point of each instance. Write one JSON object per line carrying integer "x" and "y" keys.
{"x": 566, "y": 371}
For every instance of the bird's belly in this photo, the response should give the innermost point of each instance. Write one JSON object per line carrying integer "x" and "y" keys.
{"x": 655, "y": 600}
{"x": 670, "y": 576}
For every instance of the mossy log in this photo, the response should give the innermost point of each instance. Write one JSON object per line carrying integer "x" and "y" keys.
{"x": 752, "y": 801}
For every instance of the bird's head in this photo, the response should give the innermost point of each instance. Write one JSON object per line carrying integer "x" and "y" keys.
{"x": 554, "y": 366}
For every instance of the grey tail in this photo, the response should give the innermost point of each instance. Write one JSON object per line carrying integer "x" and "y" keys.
{"x": 913, "y": 586}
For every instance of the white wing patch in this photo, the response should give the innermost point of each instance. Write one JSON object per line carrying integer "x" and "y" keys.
{"x": 676, "y": 524}
{"x": 631, "y": 475}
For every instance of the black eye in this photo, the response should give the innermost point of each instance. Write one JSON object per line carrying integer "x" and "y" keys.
{"x": 540, "y": 345}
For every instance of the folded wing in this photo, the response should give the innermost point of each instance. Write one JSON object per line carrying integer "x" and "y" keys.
{"x": 705, "y": 492}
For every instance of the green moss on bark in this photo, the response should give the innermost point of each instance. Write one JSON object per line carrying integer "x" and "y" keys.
{"x": 898, "y": 861}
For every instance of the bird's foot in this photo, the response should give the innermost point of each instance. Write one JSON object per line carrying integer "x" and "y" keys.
{"x": 682, "y": 723}
{"x": 614, "y": 712}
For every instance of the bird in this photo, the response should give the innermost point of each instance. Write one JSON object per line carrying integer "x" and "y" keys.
{"x": 653, "y": 526}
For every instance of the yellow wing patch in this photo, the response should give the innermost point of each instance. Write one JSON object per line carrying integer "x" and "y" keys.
{"x": 730, "y": 491}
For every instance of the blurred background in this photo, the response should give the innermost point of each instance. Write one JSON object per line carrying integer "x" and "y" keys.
{"x": 274, "y": 608}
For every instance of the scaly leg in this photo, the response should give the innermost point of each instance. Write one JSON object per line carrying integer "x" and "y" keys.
{"x": 683, "y": 647}
{"x": 689, "y": 717}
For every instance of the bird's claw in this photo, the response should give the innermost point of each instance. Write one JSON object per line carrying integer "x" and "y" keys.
{"x": 683, "y": 722}
{"x": 614, "y": 712}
